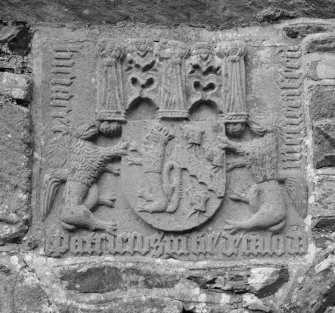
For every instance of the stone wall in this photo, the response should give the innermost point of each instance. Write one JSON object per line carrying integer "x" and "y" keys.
{"x": 128, "y": 254}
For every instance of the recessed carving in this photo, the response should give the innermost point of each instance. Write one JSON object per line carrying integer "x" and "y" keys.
{"x": 84, "y": 162}
{"x": 177, "y": 162}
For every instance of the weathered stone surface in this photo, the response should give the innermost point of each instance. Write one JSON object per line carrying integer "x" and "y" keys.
{"x": 189, "y": 186}
{"x": 223, "y": 14}
{"x": 322, "y": 102}
{"x": 320, "y": 43}
{"x": 172, "y": 126}
{"x": 106, "y": 279}
{"x": 15, "y": 40}
{"x": 322, "y": 114}
{"x": 315, "y": 291}
{"x": 15, "y": 173}
{"x": 16, "y": 86}
{"x": 20, "y": 289}
{"x": 321, "y": 99}
{"x": 301, "y": 28}
{"x": 184, "y": 171}
{"x": 325, "y": 224}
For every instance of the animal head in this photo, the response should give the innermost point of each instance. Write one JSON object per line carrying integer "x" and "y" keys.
{"x": 87, "y": 130}
{"x": 235, "y": 129}
{"x": 110, "y": 128}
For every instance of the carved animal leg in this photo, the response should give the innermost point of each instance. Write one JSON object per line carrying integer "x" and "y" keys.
{"x": 81, "y": 217}
{"x": 92, "y": 197}
{"x": 109, "y": 227}
{"x": 113, "y": 169}
{"x": 271, "y": 214}
{"x": 107, "y": 200}
{"x": 239, "y": 196}
{"x": 78, "y": 201}
{"x": 236, "y": 164}
{"x": 156, "y": 200}
{"x": 118, "y": 150}
{"x": 233, "y": 226}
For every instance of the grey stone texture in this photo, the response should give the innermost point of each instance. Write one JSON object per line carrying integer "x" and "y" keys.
{"x": 204, "y": 13}
{"x": 16, "y": 143}
{"x": 172, "y": 169}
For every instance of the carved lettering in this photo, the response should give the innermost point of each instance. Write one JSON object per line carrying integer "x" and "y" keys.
{"x": 290, "y": 81}
{"x": 199, "y": 246}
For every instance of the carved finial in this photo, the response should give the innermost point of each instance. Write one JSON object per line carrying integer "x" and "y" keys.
{"x": 141, "y": 46}
{"x": 233, "y": 50}
{"x": 171, "y": 49}
{"x": 110, "y": 51}
{"x": 202, "y": 49}
{"x": 193, "y": 134}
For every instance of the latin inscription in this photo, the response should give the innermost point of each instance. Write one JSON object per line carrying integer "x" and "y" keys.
{"x": 199, "y": 246}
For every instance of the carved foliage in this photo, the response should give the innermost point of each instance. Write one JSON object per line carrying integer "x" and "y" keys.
{"x": 141, "y": 73}
{"x": 172, "y": 77}
{"x": 203, "y": 75}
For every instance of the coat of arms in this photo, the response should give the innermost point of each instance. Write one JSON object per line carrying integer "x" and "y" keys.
{"x": 171, "y": 113}
{"x": 171, "y": 178}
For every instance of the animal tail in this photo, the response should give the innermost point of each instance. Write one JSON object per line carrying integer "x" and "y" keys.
{"x": 296, "y": 187}
{"x": 175, "y": 190}
{"x": 51, "y": 183}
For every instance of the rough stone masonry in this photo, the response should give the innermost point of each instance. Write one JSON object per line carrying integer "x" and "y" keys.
{"x": 174, "y": 157}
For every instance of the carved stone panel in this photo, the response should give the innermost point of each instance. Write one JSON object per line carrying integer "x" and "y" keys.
{"x": 178, "y": 148}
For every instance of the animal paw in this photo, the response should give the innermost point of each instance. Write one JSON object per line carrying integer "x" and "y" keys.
{"x": 108, "y": 227}
{"x": 238, "y": 195}
{"x": 111, "y": 228}
{"x": 232, "y": 227}
{"x": 121, "y": 148}
{"x": 107, "y": 200}
{"x": 225, "y": 143}
{"x": 112, "y": 169}
{"x": 216, "y": 168}
{"x": 142, "y": 209}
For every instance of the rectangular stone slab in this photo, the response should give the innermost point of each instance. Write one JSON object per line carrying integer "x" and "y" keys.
{"x": 188, "y": 147}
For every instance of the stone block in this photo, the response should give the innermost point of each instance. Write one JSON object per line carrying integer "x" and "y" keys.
{"x": 15, "y": 170}
{"x": 170, "y": 168}
{"x": 324, "y": 42}
{"x": 324, "y": 195}
{"x": 16, "y": 86}
{"x": 322, "y": 102}
{"x": 321, "y": 110}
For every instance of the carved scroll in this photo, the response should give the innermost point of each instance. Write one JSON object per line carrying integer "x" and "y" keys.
{"x": 110, "y": 83}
